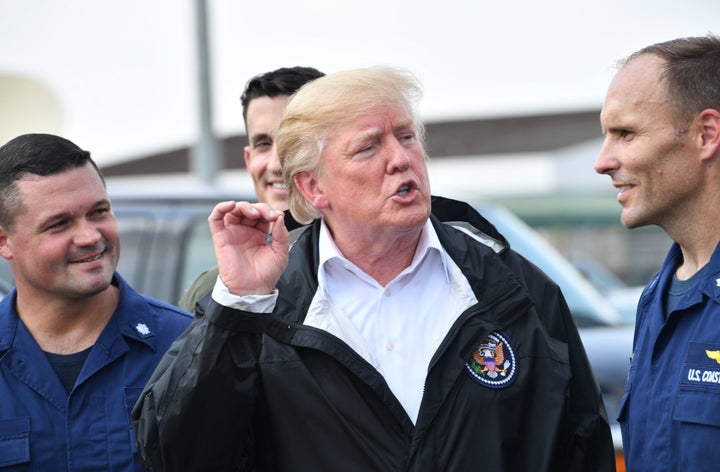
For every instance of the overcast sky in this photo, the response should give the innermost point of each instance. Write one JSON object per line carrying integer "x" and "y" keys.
{"x": 124, "y": 72}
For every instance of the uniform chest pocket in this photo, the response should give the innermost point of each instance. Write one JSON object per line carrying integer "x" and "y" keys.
{"x": 699, "y": 406}
{"x": 697, "y": 416}
{"x": 14, "y": 441}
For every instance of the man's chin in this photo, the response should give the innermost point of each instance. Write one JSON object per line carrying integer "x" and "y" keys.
{"x": 631, "y": 221}
{"x": 91, "y": 286}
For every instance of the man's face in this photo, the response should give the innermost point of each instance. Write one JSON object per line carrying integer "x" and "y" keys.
{"x": 65, "y": 244}
{"x": 373, "y": 176}
{"x": 645, "y": 153}
{"x": 261, "y": 157}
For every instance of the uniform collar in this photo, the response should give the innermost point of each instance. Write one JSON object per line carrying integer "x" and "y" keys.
{"x": 709, "y": 283}
{"x": 132, "y": 317}
{"x": 8, "y": 320}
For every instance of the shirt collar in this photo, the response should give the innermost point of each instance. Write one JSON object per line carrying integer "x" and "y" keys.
{"x": 429, "y": 241}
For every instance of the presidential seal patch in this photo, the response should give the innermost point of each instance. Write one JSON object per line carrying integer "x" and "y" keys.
{"x": 493, "y": 363}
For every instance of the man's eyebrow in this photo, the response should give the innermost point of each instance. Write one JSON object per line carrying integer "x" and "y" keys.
{"x": 368, "y": 133}
{"x": 405, "y": 124}
{"x": 257, "y": 136}
{"x": 54, "y": 218}
{"x": 364, "y": 135}
{"x": 69, "y": 214}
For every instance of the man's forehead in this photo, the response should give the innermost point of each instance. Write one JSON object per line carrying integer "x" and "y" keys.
{"x": 641, "y": 77}
{"x": 637, "y": 83}
{"x": 79, "y": 179}
{"x": 265, "y": 113}
{"x": 382, "y": 118}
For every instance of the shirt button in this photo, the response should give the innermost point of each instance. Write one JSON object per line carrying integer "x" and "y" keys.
{"x": 389, "y": 346}
{"x": 388, "y": 292}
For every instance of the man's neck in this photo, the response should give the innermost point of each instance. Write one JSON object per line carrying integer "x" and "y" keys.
{"x": 382, "y": 258}
{"x": 66, "y": 326}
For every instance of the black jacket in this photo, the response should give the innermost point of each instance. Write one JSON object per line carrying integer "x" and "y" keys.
{"x": 244, "y": 391}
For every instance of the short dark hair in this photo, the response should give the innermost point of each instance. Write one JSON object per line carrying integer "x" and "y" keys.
{"x": 38, "y": 154}
{"x": 283, "y": 81}
{"x": 691, "y": 72}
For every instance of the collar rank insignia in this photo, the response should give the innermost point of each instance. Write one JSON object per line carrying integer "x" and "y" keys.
{"x": 142, "y": 329}
{"x": 493, "y": 363}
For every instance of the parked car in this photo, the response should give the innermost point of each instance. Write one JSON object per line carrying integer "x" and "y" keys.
{"x": 166, "y": 243}
{"x": 621, "y": 296}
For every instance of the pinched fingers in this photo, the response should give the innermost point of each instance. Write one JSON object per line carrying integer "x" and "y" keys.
{"x": 247, "y": 264}
{"x": 226, "y": 214}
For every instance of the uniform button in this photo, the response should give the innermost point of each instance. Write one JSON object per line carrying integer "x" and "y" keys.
{"x": 389, "y": 346}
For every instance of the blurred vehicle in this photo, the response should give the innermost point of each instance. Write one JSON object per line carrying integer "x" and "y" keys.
{"x": 6, "y": 278}
{"x": 166, "y": 243}
{"x": 5, "y": 287}
{"x": 621, "y": 296}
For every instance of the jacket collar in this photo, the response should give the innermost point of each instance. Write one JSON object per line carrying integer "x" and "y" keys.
{"x": 467, "y": 237}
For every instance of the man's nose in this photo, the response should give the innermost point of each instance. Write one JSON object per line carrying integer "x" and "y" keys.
{"x": 606, "y": 162}
{"x": 399, "y": 157}
{"x": 86, "y": 234}
{"x": 274, "y": 162}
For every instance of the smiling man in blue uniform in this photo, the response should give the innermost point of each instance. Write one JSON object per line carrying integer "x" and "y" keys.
{"x": 399, "y": 332}
{"x": 77, "y": 343}
{"x": 661, "y": 118}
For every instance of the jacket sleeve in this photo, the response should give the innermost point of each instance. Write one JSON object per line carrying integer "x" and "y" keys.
{"x": 195, "y": 411}
{"x": 588, "y": 445}
{"x": 591, "y": 444}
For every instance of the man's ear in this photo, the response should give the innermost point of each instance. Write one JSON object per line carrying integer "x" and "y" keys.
{"x": 246, "y": 154}
{"x": 5, "y": 251}
{"x": 308, "y": 185}
{"x": 709, "y": 122}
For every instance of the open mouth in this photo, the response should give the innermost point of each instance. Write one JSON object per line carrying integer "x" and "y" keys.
{"x": 89, "y": 259}
{"x": 279, "y": 185}
{"x": 622, "y": 189}
{"x": 404, "y": 190}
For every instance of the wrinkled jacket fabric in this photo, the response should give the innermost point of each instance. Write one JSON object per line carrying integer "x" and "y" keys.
{"x": 42, "y": 428}
{"x": 245, "y": 391}
{"x": 670, "y": 414}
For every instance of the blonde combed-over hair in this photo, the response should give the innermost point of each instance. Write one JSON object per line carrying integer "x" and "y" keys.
{"x": 320, "y": 106}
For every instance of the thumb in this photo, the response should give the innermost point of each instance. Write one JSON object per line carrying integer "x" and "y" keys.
{"x": 280, "y": 235}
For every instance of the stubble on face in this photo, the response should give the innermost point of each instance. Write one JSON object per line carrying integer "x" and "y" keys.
{"x": 653, "y": 171}
{"x": 66, "y": 243}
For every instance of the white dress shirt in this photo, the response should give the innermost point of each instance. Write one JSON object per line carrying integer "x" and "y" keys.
{"x": 396, "y": 328}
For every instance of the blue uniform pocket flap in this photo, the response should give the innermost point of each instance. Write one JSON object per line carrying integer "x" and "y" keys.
{"x": 698, "y": 406}
{"x": 14, "y": 441}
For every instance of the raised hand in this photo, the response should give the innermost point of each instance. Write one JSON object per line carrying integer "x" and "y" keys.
{"x": 248, "y": 264}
